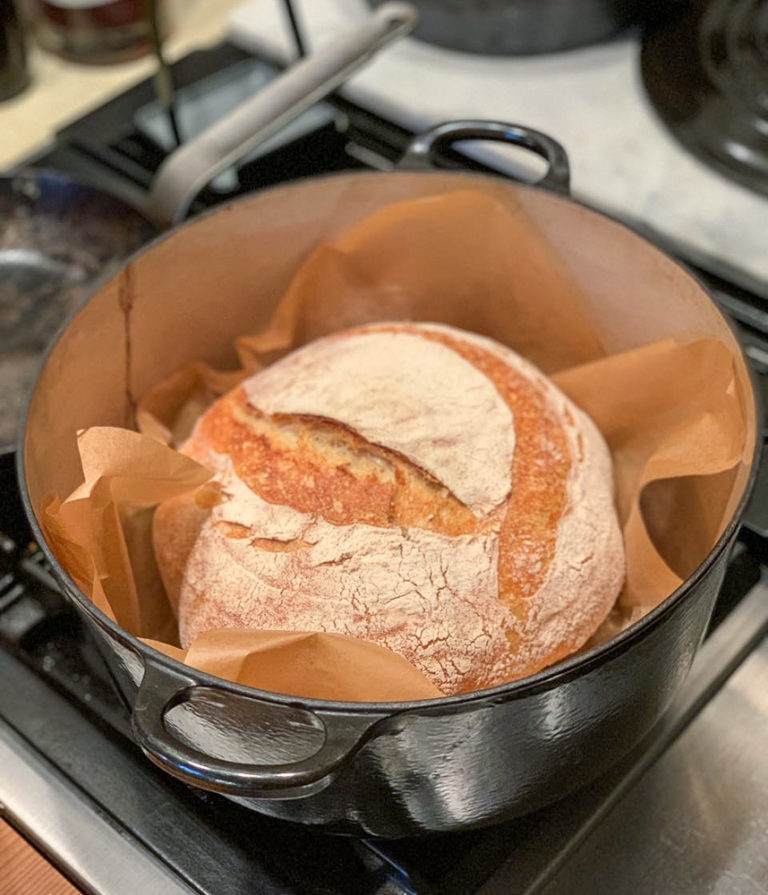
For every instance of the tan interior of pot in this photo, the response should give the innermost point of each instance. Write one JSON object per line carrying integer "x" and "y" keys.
{"x": 189, "y": 296}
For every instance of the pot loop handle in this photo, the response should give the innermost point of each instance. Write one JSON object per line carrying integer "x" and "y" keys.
{"x": 161, "y": 689}
{"x": 421, "y": 151}
{"x": 190, "y": 167}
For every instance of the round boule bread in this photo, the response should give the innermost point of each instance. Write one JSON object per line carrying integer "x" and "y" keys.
{"x": 413, "y": 485}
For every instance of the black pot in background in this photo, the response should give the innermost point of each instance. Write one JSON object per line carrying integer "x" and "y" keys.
{"x": 523, "y": 27}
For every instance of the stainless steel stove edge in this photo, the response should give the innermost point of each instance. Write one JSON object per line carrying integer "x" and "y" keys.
{"x": 55, "y": 816}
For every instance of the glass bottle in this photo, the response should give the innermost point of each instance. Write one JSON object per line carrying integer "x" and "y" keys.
{"x": 14, "y": 76}
{"x": 95, "y": 31}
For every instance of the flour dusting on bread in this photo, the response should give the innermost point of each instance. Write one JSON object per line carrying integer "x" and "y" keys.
{"x": 412, "y": 485}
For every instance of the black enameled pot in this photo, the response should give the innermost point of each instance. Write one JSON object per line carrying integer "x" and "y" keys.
{"x": 383, "y": 769}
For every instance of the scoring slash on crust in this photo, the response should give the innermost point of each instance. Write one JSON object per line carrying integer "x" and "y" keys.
{"x": 412, "y": 485}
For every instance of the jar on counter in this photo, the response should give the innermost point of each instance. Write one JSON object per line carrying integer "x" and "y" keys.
{"x": 96, "y": 31}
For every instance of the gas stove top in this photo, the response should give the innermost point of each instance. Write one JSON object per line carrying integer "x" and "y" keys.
{"x": 79, "y": 788}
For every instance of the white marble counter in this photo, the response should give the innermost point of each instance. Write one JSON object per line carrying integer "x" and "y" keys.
{"x": 592, "y": 100}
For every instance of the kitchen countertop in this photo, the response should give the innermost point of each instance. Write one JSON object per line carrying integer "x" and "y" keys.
{"x": 61, "y": 91}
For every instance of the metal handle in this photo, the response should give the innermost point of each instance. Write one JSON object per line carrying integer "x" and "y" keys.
{"x": 421, "y": 151}
{"x": 183, "y": 174}
{"x": 161, "y": 689}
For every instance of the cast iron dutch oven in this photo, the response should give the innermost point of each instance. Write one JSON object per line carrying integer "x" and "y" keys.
{"x": 390, "y": 769}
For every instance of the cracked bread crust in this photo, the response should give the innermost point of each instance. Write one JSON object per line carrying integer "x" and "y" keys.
{"x": 340, "y": 503}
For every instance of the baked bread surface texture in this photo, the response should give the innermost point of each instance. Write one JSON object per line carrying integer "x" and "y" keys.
{"x": 413, "y": 485}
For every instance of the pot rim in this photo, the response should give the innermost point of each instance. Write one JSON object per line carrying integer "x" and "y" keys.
{"x": 548, "y": 678}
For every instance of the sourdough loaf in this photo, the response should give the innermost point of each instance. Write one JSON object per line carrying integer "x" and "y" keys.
{"x": 413, "y": 485}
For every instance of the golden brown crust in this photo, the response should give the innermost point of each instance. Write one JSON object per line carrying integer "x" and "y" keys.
{"x": 539, "y": 492}
{"x": 321, "y": 468}
{"x": 180, "y": 520}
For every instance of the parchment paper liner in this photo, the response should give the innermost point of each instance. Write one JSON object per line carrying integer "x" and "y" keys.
{"x": 672, "y": 413}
